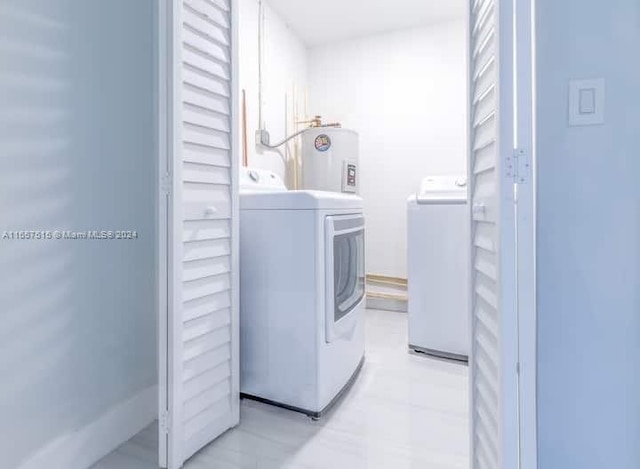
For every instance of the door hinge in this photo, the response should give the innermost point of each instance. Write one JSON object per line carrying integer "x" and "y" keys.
{"x": 165, "y": 183}
{"x": 164, "y": 422}
{"x": 519, "y": 166}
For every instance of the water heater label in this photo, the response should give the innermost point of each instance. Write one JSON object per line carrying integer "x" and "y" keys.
{"x": 322, "y": 142}
{"x": 349, "y": 177}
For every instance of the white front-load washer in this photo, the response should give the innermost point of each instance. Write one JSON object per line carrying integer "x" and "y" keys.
{"x": 302, "y": 283}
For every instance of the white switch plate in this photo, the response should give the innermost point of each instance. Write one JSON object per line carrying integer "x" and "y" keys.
{"x": 586, "y": 102}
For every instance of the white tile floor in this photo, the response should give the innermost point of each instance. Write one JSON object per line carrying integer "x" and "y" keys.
{"x": 404, "y": 411}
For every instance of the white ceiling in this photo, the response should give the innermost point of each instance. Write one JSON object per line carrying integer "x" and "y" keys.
{"x": 323, "y": 21}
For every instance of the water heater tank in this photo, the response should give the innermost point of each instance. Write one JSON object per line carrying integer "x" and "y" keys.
{"x": 330, "y": 160}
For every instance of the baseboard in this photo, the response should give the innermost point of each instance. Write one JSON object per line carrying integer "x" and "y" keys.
{"x": 85, "y": 447}
{"x": 386, "y": 293}
{"x": 387, "y": 304}
{"x": 385, "y": 280}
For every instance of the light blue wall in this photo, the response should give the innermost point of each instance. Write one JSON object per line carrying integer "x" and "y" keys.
{"x": 77, "y": 318}
{"x": 589, "y": 239}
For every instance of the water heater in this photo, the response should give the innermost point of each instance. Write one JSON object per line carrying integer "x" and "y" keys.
{"x": 330, "y": 160}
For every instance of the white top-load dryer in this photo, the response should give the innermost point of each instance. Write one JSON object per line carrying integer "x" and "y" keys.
{"x": 438, "y": 268}
{"x": 302, "y": 293}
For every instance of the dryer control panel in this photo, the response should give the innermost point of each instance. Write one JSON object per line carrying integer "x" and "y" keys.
{"x": 253, "y": 179}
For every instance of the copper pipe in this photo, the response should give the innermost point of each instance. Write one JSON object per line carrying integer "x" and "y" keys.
{"x": 287, "y": 152}
{"x": 245, "y": 144}
{"x": 296, "y": 184}
{"x": 315, "y": 122}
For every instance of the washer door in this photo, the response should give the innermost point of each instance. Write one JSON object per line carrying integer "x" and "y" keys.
{"x": 345, "y": 274}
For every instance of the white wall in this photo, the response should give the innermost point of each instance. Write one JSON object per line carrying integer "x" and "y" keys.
{"x": 285, "y": 65}
{"x": 588, "y": 239}
{"x": 405, "y": 93}
{"x": 77, "y": 318}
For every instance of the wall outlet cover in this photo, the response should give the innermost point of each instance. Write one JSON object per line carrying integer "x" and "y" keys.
{"x": 586, "y": 102}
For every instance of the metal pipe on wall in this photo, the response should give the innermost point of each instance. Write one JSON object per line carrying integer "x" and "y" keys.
{"x": 245, "y": 144}
{"x": 260, "y": 62}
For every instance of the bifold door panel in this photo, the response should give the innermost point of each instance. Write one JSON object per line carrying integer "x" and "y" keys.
{"x": 202, "y": 389}
{"x": 494, "y": 347}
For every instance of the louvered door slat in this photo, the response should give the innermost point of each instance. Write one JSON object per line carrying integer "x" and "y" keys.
{"x": 485, "y": 262}
{"x": 206, "y": 81}
{"x": 210, "y": 7}
{"x": 206, "y": 229}
{"x": 203, "y": 268}
{"x": 195, "y": 347}
{"x": 202, "y": 363}
{"x": 205, "y": 173}
{"x": 203, "y": 375}
{"x": 206, "y": 118}
{"x": 207, "y": 249}
{"x": 485, "y": 77}
{"x": 203, "y": 45}
{"x": 192, "y": 58}
{"x": 484, "y": 106}
{"x": 205, "y": 305}
{"x": 202, "y": 287}
{"x": 205, "y": 324}
{"x": 206, "y": 137}
{"x": 202, "y": 401}
{"x": 194, "y": 153}
{"x": 201, "y": 17}
{"x": 197, "y": 427}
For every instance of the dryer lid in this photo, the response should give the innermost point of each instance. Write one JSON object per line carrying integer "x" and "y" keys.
{"x": 299, "y": 200}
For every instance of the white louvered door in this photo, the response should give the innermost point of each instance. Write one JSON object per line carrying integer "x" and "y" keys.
{"x": 201, "y": 395}
{"x": 494, "y": 351}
